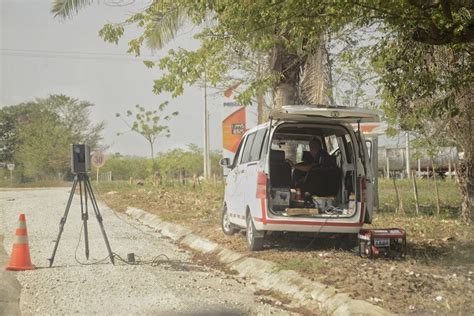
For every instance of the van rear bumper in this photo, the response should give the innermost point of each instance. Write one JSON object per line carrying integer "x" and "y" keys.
{"x": 268, "y": 222}
{"x": 309, "y": 226}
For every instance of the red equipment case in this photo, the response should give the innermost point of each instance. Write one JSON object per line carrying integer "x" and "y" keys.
{"x": 389, "y": 242}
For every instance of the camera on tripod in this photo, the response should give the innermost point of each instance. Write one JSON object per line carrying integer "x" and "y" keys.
{"x": 80, "y": 167}
{"x": 80, "y": 158}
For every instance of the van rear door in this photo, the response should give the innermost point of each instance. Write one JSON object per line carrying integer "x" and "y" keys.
{"x": 369, "y": 177}
{"x": 372, "y": 148}
{"x": 340, "y": 114}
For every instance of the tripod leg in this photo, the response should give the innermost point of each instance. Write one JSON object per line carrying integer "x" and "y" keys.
{"x": 63, "y": 221}
{"x": 84, "y": 214}
{"x": 99, "y": 217}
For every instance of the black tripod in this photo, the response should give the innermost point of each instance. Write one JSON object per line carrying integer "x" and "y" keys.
{"x": 85, "y": 191}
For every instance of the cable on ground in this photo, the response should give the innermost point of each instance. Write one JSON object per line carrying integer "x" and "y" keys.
{"x": 154, "y": 262}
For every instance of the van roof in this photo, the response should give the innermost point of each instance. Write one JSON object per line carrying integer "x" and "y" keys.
{"x": 343, "y": 114}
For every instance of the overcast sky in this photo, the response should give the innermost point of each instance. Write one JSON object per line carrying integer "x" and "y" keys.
{"x": 42, "y": 55}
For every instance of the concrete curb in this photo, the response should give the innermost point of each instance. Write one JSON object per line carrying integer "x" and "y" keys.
{"x": 10, "y": 287}
{"x": 303, "y": 292}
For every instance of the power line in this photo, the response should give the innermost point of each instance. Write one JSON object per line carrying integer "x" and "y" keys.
{"x": 67, "y": 52}
{"x": 71, "y": 54}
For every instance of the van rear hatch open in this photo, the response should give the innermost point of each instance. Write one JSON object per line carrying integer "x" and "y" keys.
{"x": 336, "y": 184}
{"x": 335, "y": 113}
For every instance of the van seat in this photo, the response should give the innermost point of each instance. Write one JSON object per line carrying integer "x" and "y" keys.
{"x": 325, "y": 181}
{"x": 329, "y": 161}
{"x": 280, "y": 170}
{"x": 306, "y": 157}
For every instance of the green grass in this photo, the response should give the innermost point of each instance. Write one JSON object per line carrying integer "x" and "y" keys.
{"x": 450, "y": 199}
{"x": 305, "y": 265}
{"x": 449, "y": 196}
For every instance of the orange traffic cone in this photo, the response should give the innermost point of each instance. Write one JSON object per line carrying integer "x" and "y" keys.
{"x": 20, "y": 258}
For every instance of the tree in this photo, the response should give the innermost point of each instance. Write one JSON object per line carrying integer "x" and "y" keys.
{"x": 11, "y": 120}
{"x": 419, "y": 38}
{"x": 37, "y": 135}
{"x": 428, "y": 89}
{"x": 74, "y": 114}
{"x": 149, "y": 124}
{"x": 284, "y": 41}
{"x": 44, "y": 146}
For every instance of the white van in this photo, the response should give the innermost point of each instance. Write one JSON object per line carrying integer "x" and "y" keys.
{"x": 265, "y": 191}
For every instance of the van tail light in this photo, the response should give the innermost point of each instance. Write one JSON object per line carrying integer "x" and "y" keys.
{"x": 363, "y": 190}
{"x": 261, "y": 185}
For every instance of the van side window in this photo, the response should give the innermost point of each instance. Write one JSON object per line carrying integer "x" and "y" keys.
{"x": 237, "y": 153}
{"x": 331, "y": 143}
{"x": 247, "y": 148}
{"x": 256, "y": 150}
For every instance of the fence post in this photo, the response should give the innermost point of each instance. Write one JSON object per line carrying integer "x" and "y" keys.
{"x": 449, "y": 167}
{"x": 388, "y": 163}
{"x": 419, "y": 168}
{"x": 415, "y": 191}
{"x": 436, "y": 189}
{"x": 407, "y": 152}
{"x": 399, "y": 204}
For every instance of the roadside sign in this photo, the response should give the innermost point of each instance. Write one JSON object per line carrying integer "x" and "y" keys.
{"x": 98, "y": 159}
{"x": 11, "y": 166}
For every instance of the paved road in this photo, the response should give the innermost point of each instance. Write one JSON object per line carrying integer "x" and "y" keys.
{"x": 180, "y": 287}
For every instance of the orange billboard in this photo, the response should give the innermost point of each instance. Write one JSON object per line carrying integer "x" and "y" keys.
{"x": 371, "y": 128}
{"x": 233, "y": 127}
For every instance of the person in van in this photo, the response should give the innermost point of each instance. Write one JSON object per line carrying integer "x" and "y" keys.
{"x": 315, "y": 157}
{"x": 310, "y": 159}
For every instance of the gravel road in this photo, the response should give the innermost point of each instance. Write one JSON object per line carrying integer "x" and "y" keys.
{"x": 179, "y": 287}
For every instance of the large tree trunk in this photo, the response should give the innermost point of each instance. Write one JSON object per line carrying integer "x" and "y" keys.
{"x": 465, "y": 178}
{"x": 285, "y": 94}
{"x": 298, "y": 72}
{"x": 285, "y": 91}
{"x": 261, "y": 115}
{"x": 288, "y": 65}
{"x": 462, "y": 129}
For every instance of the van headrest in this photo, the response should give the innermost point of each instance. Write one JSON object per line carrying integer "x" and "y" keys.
{"x": 277, "y": 155}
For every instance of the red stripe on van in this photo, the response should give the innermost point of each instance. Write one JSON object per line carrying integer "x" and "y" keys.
{"x": 275, "y": 222}
{"x": 264, "y": 220}
{"x": 264, "y": 210}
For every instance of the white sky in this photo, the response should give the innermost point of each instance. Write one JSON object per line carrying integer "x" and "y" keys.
{"x": 42, "y": 55}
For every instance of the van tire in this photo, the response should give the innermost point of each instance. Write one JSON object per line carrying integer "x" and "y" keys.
{"x": 253, "y": 243}
{"x": 226, "y": 225}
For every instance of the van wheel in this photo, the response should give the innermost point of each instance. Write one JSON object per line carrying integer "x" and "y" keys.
{"x": 253, "y": 243}
{"x": 227, "y": 226}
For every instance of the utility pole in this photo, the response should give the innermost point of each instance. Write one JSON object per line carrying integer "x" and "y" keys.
{"x": 207, "y": 162}
{"x": 408, "y": 154}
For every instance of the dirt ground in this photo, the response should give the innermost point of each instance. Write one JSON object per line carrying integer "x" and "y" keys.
{"x": 164, "y": 280}
{"x": 434, "y": 278}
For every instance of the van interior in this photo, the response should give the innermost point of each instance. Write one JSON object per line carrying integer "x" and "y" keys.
{"x": 300, "y": 185}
